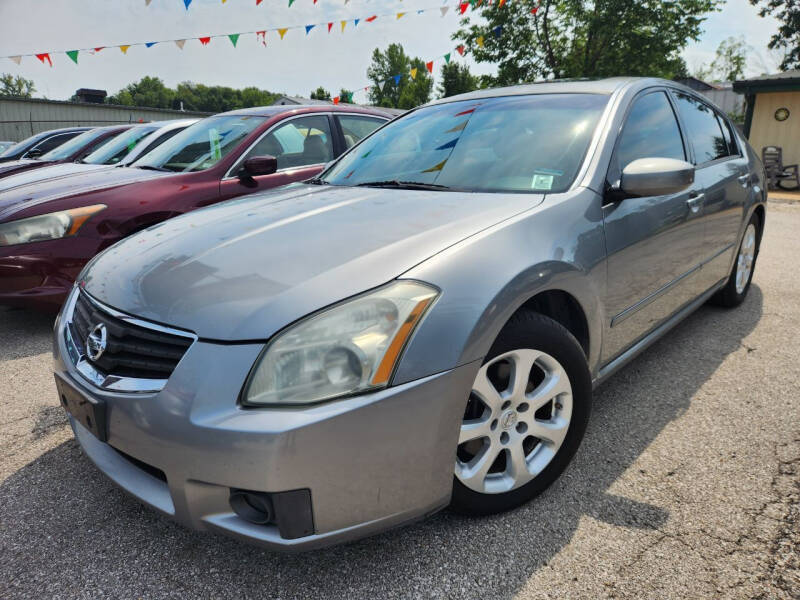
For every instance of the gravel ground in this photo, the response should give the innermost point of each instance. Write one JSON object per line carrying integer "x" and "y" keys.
{"x": 687, "y": 485}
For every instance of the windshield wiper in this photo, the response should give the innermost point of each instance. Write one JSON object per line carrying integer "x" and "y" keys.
{"x": 152, "y": 168}
{"x": 317, "y": 181}
{"x": 404, "y": 185}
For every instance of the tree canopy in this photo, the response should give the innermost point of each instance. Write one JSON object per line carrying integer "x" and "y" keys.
{"x": 787, "y": 39}
{"x": 320, "y": 94}
{"x": 16, "y": 86}
{"x": 405, "y": 91}
{"x": 152, "y": 92}
{"x": 456, "y": 79}
{"x": 581, "y": 38}
{"x": 729, "y": 62}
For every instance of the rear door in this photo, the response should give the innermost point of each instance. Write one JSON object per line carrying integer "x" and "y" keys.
{"x": 302, "y": 145}
{"x": 653, "y": 242}
{"x": 723, "y": 172}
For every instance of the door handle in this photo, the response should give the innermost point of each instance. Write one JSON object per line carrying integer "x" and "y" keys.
{"x": 744, "y": 180}
{"x": 695, "y": 202}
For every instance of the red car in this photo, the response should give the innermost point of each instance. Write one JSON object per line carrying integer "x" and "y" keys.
{"x": 73, "y": 150}
{"x": 50, "y": 229}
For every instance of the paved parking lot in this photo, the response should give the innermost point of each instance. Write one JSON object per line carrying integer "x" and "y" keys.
{"x": 687, "y": 485}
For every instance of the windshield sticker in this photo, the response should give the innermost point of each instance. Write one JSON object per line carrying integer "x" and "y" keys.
{"x": 542, "y": 182}
{"x": 213, "y": 140}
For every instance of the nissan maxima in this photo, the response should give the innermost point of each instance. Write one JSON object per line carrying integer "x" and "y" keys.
{"x": 419, "y": 326}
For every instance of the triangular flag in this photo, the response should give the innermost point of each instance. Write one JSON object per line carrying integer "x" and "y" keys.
{"x": 291, "y": 2}
{"x": 336, "y": 100}
{"x": 501, "y": 3}
{"x": 309, "y": 28}
{"x": 186, "y": 3}
{"x": 180, "y": 43}
{"x": 45, "y": 57}
{"x": 371, "y": 19}
{"x": 400, "y": 15}
{"x": 344, "y": 24}
{"x": 73, "y": 54}
{"x": 355, "y": 22}
{"x": 429, "y": 66}
{"x": 397, "y": 79}
{"x": 282, "y": 32}
{"x": 497, "y": 30}
{"x": 444, "y": 10}
{"x": 262, "y": 37}
{"x": 258, "y": 2}
{"x": 480, "y": 41}
{"x": 124, "y": 49}
{"x": 150, "y": 44}
{"x": 234, "y": 38}
{"x": 205, "y": 40}
{"x": 447, "y": 58}
{"x": 460, "y": 49}
{"x": 16, "y": 59}
{"x": 413, "y": 73}
{"x": 98, "y": 49}
{"x": 329, "y": 27}
{"x": 463, "y": 7}
{"x": 534, "y": 10}
{"x": 147, "y": 2}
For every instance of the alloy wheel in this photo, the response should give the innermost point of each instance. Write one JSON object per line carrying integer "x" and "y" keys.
{"x": 744, "y": 263}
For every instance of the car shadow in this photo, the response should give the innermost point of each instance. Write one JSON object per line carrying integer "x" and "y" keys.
{"x": 64, "y": 524}
{"x": 24, "y": 333}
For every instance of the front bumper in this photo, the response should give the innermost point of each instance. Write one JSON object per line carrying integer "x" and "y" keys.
{"x": 370, "y": 462}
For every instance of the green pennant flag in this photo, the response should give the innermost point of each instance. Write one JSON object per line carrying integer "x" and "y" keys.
{"x": 291, "y": 2}
{"x": 73, "y": 54}
{"x": 447, "y": 58}
{"x": 233, "y": 37}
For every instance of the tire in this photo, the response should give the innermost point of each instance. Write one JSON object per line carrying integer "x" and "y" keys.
{"x": 559, "y": 372}
{"x": 735, "y": 289}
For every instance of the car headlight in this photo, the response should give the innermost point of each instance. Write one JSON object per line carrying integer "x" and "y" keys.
{"x": 46, "y": 227}
{"x": 350, "y": 348}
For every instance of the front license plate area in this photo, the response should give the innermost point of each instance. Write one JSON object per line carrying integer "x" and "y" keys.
{"x": 89, "y": 412}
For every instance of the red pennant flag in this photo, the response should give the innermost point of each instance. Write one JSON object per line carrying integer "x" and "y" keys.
{"x": 534, "y": 10}
{"x": 336, "y": 100}
{"x": 371, "y": 19}
{"x": 329, "y": 27}
{"x": 429, "y": 66}
{"x": 204, "y": 40}
{"x": 460, "y": 49}
{"x": 259, "y": 2}
{"x": 463, "y": 7}
{"x": 261, "y": 36}
{"x": 99, "y": 48}
{"x": 500, "y": 4}
{"x": 45, "y": 57}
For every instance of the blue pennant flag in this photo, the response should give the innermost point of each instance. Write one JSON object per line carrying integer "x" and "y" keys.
{"x": 497, "y": 30}
{"x": 148, "y": 44}
{"x": 397, "y": 79}
{"x": 186, "y": 3}
{"x": 309, "y": 28}
{"x": 356, "y": 22}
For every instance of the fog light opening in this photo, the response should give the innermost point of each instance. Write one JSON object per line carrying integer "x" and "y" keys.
{"x": 254, "y": 507}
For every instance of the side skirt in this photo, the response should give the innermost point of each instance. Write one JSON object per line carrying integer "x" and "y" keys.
{"x": 650, "y": 338}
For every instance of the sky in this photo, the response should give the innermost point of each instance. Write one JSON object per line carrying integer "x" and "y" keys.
{"x": 294, "y": 65}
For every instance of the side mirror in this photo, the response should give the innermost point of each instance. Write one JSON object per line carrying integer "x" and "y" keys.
{"x": 33, "y": 153}
{"x": 259, "y": 165}
{"x": 656, "y": 177}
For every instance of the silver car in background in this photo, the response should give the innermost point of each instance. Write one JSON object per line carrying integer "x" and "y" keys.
{"x": 421, "y": 325}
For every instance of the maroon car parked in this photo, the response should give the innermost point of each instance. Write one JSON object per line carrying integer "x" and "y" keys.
{"x": 71, "y": 151}
{"x": 50, "y": 229}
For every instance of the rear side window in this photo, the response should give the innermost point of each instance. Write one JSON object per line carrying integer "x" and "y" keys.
{"x": 702, "y": 128}
{"x": 54, "y": 141}
{"x": 355, "y": 128}
{"x": 651, "y": 131}
{"x": 298, "y": 142}
{"x": 730, "y": 139}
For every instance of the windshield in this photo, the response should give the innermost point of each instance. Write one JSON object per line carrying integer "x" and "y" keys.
{"x": 510, "y": 144}
{"x": 118, "y": 146}
{"x": 69, "y": 148}
{"x": 201, "y": 145}
{"x": 5, "y": 146}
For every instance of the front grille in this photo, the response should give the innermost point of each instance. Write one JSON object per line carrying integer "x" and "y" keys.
{"x": 131, "y": 350}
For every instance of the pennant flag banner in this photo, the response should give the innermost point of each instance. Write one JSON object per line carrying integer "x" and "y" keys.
{"x": 234, "y": 37}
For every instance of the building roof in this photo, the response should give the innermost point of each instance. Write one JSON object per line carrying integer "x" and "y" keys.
{"x": 284, "y": 100}
{"x": 777, "y": 82}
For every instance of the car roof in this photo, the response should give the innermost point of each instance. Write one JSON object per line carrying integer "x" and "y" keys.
{"x": 271, "y": 111}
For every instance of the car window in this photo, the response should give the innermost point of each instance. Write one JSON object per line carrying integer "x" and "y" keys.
{"x": 298, "y": 142}
{"x": 355, "y": 128}
{"x": 65, "y": 150}
{"x": 702, "y": 128}
{"x": 118, "y": 146}
{"x": 202, "y": 145}
{"x": 730, "y": 139}
{"x": 152, "y": 145}
{"x": 532, "y": 143}
{"x": 650, "y": 131}
{"x": 54, "y": 141}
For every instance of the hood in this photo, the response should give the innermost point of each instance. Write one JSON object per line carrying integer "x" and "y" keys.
{"x": 52, "y": 171}
{"x": 243, "y": 269}
{"x": 38, "y": 193}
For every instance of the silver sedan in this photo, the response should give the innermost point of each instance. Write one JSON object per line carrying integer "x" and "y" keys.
{"x": 419, "y": 327}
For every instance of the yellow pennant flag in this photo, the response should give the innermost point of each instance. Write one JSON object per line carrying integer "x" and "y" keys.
{"x": 480, "y": 41}
{"x": 124, "y": 49}
{"x": 414, "y": 73}
{"x": 401, "y": 15}
{"x": 282, "y": 32}
{"x": 344, "y": 24}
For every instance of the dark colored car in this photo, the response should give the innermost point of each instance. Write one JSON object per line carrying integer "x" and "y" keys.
{"x": 50, "y": 229}
{"x": 40, "y": 143}
{"x": 72, "y": 150}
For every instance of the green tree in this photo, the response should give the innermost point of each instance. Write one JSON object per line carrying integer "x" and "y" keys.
{"x": 731, "y": 59}
{"x": 148, "y": 91}
{"x": 346, "y": 96}
{"x": 392, "y": 84}
{"x": 320, "y": 94}
{"x": 787, "y": 39}
{"x": 456, "y": 79}
{"x": 16, "y": 86}
{"x": 582, "y": 38}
